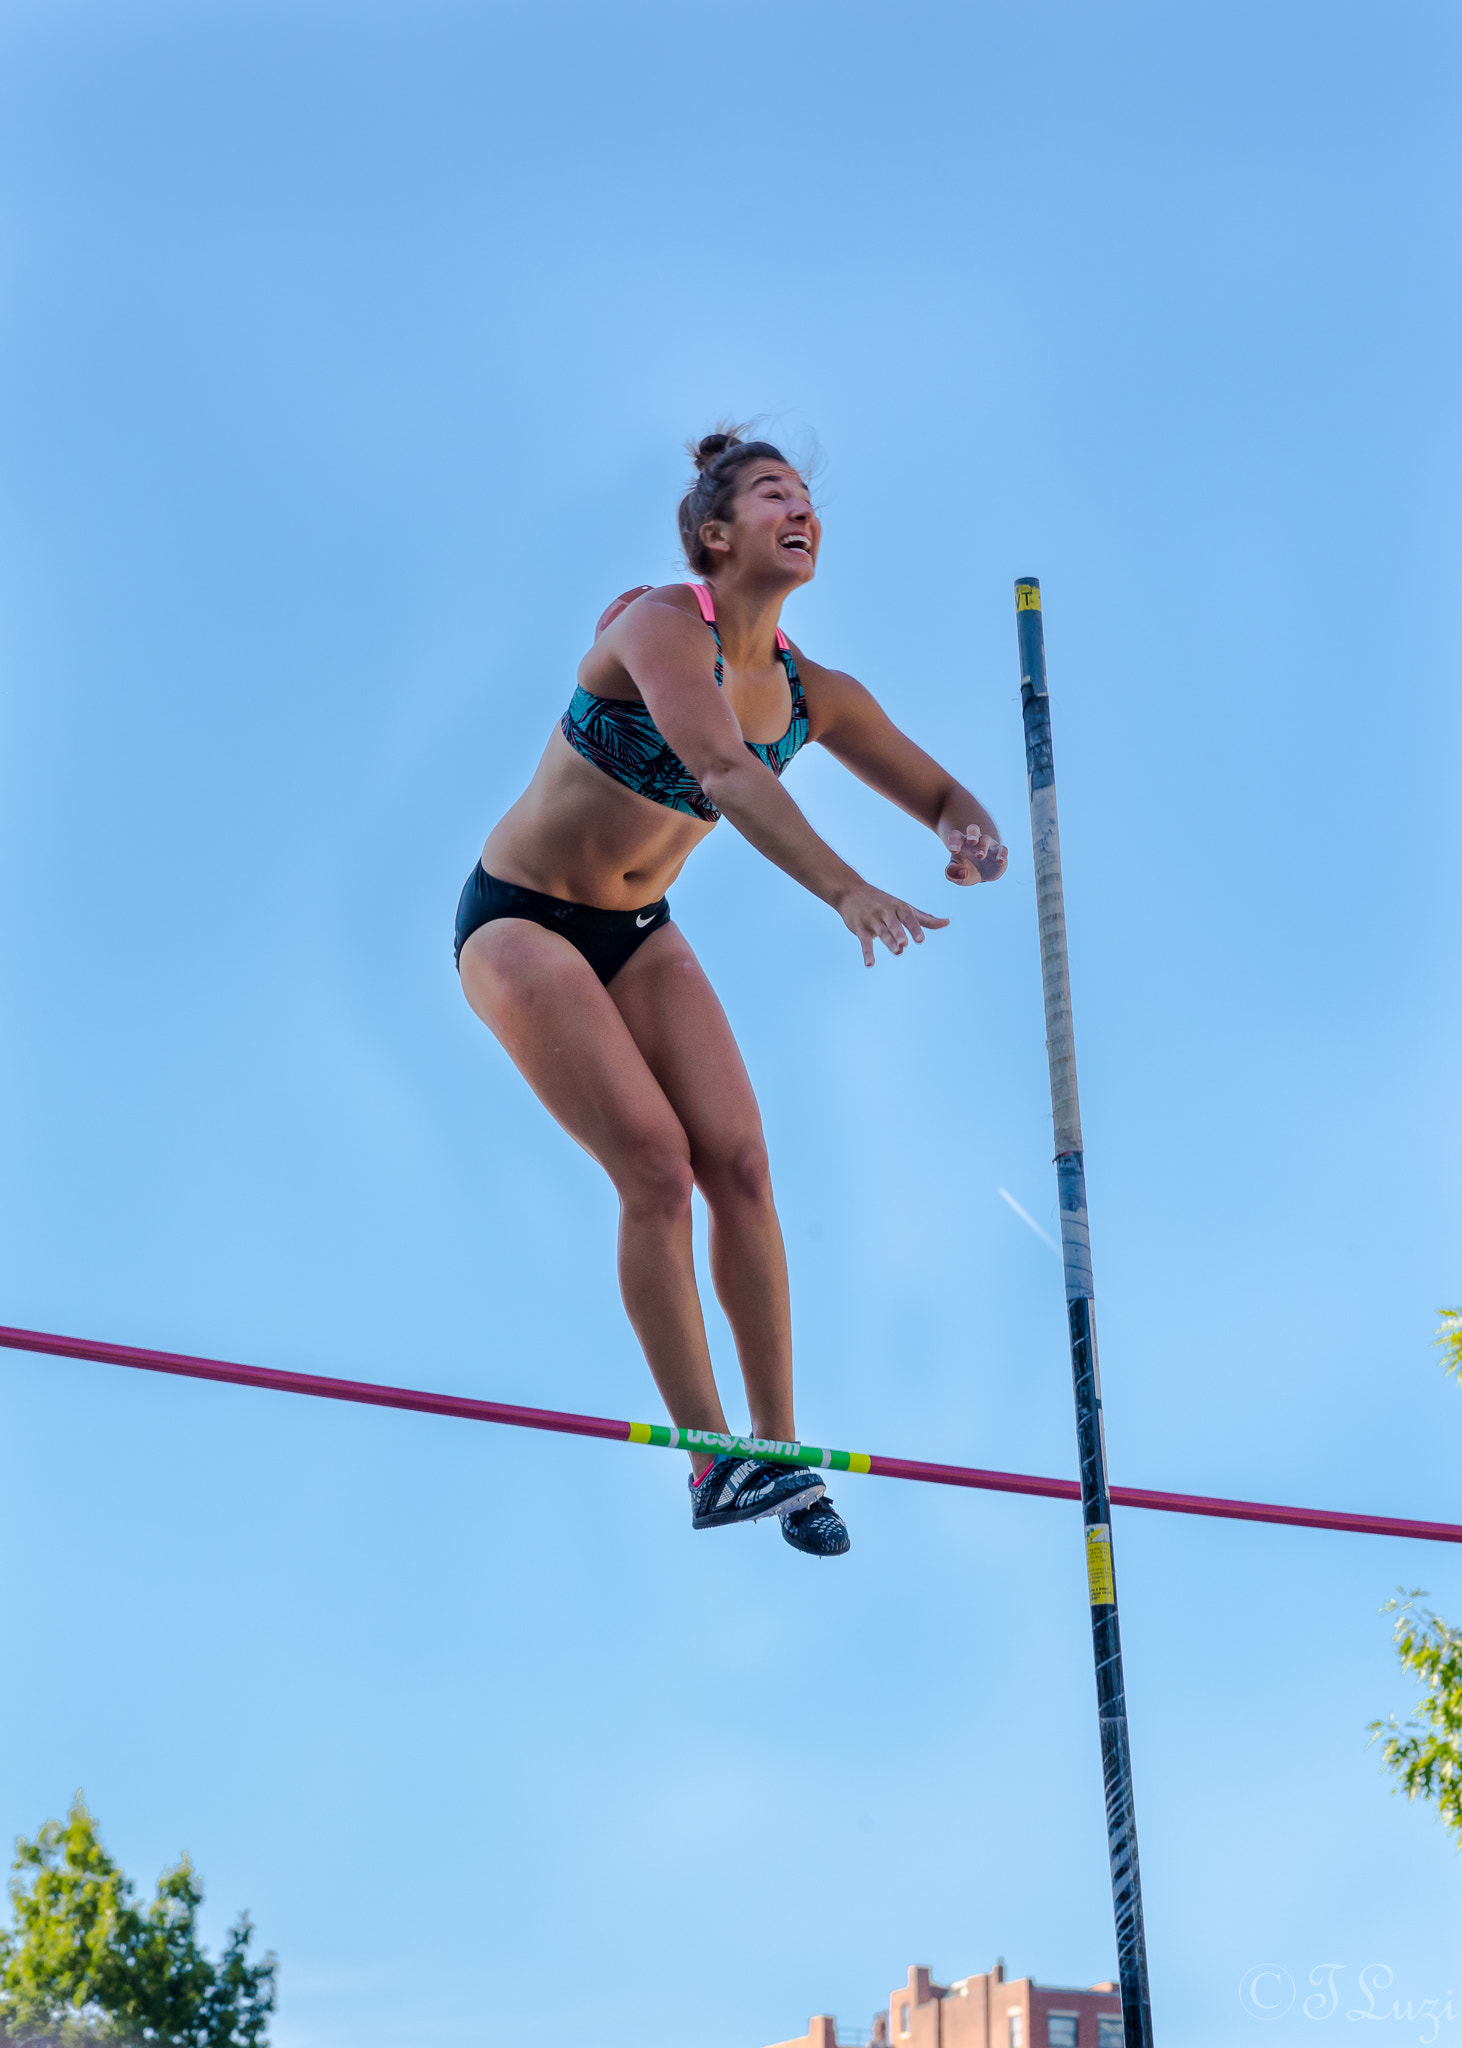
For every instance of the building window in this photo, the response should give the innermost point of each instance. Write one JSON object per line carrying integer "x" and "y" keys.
{"x": 903, "y": 2019}
{"x": 1061, "y": 2029}
{"x": 1017, "y": 2028}
{"x": 1109, "y": 2030}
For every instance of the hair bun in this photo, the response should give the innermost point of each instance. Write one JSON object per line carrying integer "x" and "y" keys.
{"x": 705, "y": 451}
{"x": 720, "y": 459}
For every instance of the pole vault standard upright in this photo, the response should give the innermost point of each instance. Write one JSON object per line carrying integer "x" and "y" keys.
{"x": 1096, "y": 1505}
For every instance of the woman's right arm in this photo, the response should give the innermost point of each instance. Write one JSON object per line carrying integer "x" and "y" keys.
{"x": 664, "y": 651}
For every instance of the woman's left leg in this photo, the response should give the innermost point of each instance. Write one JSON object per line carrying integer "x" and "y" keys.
{"x": 676, "y": 1020}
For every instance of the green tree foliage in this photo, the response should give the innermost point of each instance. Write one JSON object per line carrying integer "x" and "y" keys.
{"x": 84, "y": 1963}
{"x": 1426, "y": 1752}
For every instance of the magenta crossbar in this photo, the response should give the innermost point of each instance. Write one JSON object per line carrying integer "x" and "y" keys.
{"x": 373, "y": 1395}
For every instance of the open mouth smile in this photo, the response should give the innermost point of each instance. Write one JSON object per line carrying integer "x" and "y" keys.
{"x": 797, "y": 541}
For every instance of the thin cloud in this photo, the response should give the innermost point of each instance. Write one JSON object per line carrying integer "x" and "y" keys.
{"x": 1026, "y": 1217}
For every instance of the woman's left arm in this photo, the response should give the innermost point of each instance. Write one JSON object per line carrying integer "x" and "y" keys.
{"x": 854, "y": 727}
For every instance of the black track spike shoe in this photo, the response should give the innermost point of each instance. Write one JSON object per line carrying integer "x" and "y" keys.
{"x": 733, "y": 1489}
{"x": 819, "y": 1530}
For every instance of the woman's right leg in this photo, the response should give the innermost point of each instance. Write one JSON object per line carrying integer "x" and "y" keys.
{"x": 553, "y": 1016}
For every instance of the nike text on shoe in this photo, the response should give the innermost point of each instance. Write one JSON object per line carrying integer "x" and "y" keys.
{"x": 819, "y": 1530}
{"x": 733, "y": 1489}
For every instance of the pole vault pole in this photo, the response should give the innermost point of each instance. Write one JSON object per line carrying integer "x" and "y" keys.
{"x": 1096, "y": 1505}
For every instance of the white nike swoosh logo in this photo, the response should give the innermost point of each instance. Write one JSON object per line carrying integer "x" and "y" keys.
{"x": 643, "y": 921}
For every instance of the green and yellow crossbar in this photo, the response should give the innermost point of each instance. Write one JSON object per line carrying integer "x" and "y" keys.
{"x": 669, "y": 1438}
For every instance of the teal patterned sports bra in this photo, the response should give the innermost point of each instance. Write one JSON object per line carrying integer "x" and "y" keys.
{"x": 624, "y": 740}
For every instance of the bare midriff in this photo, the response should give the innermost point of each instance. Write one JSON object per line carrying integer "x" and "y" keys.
{"x": 577, "y": 833}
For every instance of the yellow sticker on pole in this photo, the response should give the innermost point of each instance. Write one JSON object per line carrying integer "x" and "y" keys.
{"x": 1099, "y": 1579}
{"x": 1027, "y": 597}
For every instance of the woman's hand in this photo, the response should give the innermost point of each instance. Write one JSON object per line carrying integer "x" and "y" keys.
{"x": 871, "y": 914}
{"x": 974, "y": 856}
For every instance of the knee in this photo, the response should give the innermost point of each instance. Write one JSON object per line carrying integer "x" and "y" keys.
{"x": 656, "y": 1181}
{"x": 742, "y": 1174}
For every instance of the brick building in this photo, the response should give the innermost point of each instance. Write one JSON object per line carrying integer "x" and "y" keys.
{"x": 988, "y": 2011}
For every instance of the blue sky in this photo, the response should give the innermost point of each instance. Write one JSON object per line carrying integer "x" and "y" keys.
{"x": 349, "y": 354}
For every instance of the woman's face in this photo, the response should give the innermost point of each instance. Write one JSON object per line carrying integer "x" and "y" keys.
{"x": 772, "y": 529}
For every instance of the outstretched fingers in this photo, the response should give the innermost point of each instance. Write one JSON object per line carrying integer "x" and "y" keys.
{"x": 916, "y": 923}
{"x": 869, "y": 914}
{"x": 895, "y": 923}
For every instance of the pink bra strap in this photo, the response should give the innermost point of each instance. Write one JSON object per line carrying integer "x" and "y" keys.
{"x": 707, "y": 604}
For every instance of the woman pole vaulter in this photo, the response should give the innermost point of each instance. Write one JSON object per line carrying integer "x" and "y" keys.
{"x": 689, "y": 706}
